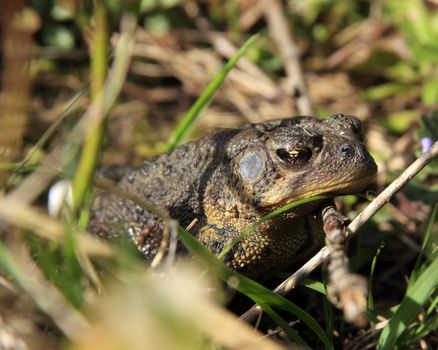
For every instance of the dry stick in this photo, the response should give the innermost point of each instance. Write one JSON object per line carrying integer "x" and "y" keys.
{"x": 280, "y": 32}
{"x": 322, "y": 256}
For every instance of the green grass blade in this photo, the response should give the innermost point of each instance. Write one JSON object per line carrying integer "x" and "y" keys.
{"x": 255, "y": 291}
{"x": 17, "y": 167}
{"x": 432, "y": 306}
{"x": 421, "y": 331}
{"x": 414, "y": 300}
{"x": 69, "y": 107}
{"x": 317, "y": 286}
{"x": 265, "y": 218}
{"x": 373, "y": 267}
{"x": 426, "y": 243}
{"x": 93, "y": 142}
{"x": 186, "y": 125}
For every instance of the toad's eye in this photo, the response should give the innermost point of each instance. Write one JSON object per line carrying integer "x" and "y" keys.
{"x": 296, "y": 156}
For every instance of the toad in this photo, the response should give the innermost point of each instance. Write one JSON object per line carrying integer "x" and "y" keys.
{"x": 231, "y": 178}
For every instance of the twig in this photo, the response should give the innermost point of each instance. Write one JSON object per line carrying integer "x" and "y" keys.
{"x": 389, "y": 191}
{"x": 322, "y": 256}
{"x": 279, "y": 330}
{"x": 280, "y": 32}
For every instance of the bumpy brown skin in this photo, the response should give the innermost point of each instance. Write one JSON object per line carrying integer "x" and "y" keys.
{"x": 230, "y": 179}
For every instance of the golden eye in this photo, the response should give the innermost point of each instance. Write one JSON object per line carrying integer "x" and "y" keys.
{"x": 298, "y": 155}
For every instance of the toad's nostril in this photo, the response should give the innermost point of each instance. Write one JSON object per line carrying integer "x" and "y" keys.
{"x": 347, "y": 150}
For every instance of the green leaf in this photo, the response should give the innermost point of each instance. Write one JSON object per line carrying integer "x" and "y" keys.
{"x": 385, "y": 90}
{"x": 399, "y": 122}
{"x": 314, "y": 285}
{"x": 402, "y": 72}
{"x": 429, "y": 93}
{"x": 414, "y": 19}
{"x": 419, "y": 21}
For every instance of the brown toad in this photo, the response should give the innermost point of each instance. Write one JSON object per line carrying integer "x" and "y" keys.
{"x": 229, "y": 179}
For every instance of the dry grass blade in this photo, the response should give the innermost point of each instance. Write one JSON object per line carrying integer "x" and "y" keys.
{"x": 18, "y": 263}
{"x": 29, "y": 190}
{"x": 17, "y": 26}
{"x": 186, "y": 124}
{"x": 25, "y": 217}
{"x": 173, "y": 310}
{"x": 364, "y": 216}
{"x": 195, "y": 67}
{"x": 280, "y": 32}
{"x": 232, "y": 333}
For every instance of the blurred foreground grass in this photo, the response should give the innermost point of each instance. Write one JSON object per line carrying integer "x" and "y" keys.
{"x": 61, "y": 288}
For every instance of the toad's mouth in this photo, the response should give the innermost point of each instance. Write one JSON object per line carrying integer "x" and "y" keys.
{"x": 352, "y": 186}
{"x": 341, "y": 188}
